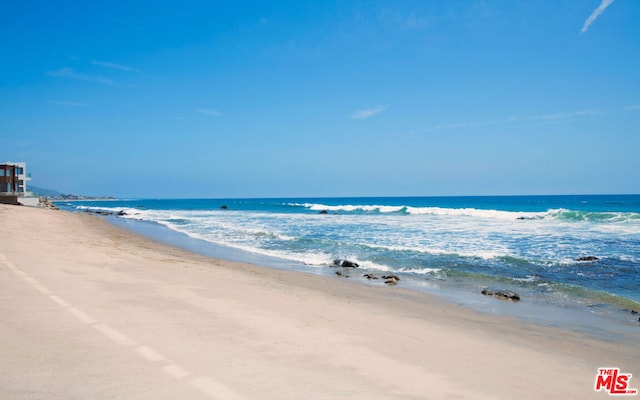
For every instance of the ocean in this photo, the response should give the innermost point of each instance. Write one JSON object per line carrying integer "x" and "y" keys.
{"x": 452, "y": 246}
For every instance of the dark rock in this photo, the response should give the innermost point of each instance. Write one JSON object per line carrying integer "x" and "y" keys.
{"x": 106, "y": 213}
{"x": 370, "y": 276}
{"x": 487, "y": 292}
{"x": 324, "y": 212}
{"x": 587, "y": 258}
{"x": 507, "y": 295}
{"x": 98, "y": 212}
{"x": 349, "y": 264}
{"x": 340, "y": 273}
{"x": 501, "y": 294}
{"x": 391, "y": 280}
{"x": 224, "y": 207}
{"x": 345, "y": 263}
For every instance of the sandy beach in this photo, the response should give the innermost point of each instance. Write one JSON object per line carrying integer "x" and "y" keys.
{"x": 90, "y": 310}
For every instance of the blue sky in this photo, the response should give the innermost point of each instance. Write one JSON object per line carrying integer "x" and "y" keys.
{"x": 323, "y": 98}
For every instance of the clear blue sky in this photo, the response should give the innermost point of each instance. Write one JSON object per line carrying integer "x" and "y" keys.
{"x": 322, "y": 98}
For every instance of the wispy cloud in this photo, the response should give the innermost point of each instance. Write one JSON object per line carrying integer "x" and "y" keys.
{"x": 595, "y": 14}
{"x": 541, "y": 118}
{"x": 67, "y": 103}
{"x": 209, "y": 111}
{"x": 456, "y": 125}
{"x": 71, "y": 74}
{"x": 370, "y": 112}
{"x": 559, "y": 116}
{"x": 112, "y": 65}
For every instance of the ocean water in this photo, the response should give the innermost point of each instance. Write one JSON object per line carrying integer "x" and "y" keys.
{"x": 528, "y": 244}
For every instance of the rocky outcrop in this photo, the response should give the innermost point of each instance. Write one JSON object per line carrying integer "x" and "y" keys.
{"x": 587, "y": 258}
{"x": 349, "y": 266}
{"x": 391, "y": 280}
{"x": 120, "y": 213}
{"x": 501, "y": 294}
{"x": 46, "y": 203}
{"x": 345, "y": 263}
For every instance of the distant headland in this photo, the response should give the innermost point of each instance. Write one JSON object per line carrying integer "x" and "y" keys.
{"x": 57, "y": 196}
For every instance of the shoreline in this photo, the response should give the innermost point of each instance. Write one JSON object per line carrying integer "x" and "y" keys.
{"x": 530, "y": 310}
{"x": 546, "y": 275}
{"x": 255, "y": 332}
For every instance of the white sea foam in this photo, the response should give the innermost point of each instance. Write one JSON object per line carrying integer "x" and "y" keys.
{"x": 488, "y": 214}
{"x": 473, "y": 212}
{"x": 413, "y": 240}
{"x": 422, "y": 243}
{"x": 420, "y": 271}
{"x": 369, "y": 265}
{"x": 529, "y": 278}
{"x": 351, "y": 208}
{"x": 439, "y": 211}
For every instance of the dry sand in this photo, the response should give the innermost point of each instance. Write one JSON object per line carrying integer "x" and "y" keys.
{"x": 91, "y": 311}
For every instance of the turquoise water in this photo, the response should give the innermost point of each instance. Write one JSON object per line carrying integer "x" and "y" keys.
{"x": 529, "y": 244}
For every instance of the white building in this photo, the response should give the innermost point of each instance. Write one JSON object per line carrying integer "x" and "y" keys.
{"x": 13, "y": 184}
{"x": 22, "y": 175}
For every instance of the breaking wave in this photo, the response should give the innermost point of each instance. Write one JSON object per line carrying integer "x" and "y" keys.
{"x": 552, "y": 214}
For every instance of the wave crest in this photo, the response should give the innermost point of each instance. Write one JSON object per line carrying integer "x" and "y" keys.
{"x": 593, "y": 216}
{"x": 553, "y": 214}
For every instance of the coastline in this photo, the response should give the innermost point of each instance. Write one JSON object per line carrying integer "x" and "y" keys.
{"x": 578, "y": 318}
{"x": 454, "y": 247}
{"x": 90, "y": 302}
